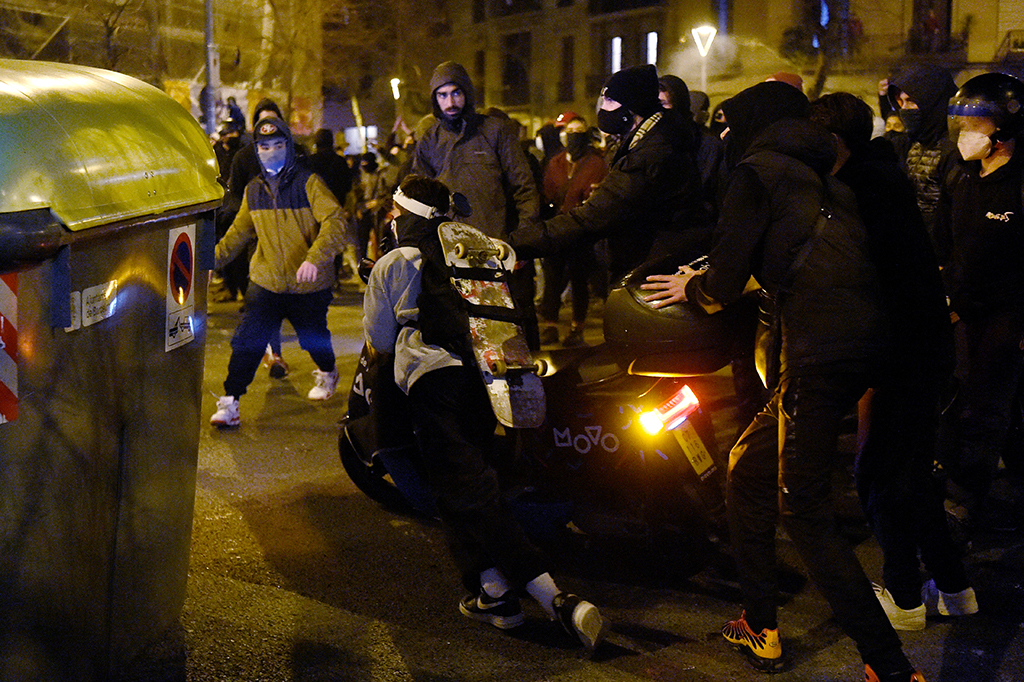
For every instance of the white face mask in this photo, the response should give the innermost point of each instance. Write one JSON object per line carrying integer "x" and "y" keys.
{"x": 974, "y": 146}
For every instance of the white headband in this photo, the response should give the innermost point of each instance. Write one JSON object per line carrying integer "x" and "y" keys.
{"x": 413, "y": 206}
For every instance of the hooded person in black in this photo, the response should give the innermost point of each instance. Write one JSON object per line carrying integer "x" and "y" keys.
{"x": 789, "y": 224}
{"x": 902, "y": 499}
{"x": 649, "y": 203}
{"x": 920, "y": 95}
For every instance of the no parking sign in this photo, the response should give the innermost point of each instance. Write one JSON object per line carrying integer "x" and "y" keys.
{"x": 181, "y": 262}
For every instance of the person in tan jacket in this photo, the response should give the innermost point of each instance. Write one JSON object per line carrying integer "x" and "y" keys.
{"x": 298, "y": 225}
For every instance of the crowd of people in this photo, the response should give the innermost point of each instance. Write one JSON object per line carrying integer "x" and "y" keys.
{"x": 889, "y": 269}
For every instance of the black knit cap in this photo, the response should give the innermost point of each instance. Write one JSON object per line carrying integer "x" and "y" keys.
{"x": 635, "y": 88}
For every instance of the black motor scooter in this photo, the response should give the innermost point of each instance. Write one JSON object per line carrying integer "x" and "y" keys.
{"x": 626, "y": 454}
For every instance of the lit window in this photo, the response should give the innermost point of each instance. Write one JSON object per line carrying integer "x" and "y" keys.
{"x": 616, "y": 53}
{"x": 652, "y": 47}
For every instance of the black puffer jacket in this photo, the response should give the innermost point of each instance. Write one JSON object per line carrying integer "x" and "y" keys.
{"x": 649, "y": 201}
{"x": 926, "y": 154}
{"x": 831, "y": 314}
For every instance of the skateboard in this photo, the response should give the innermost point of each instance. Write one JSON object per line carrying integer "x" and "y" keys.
{"x": 481, "y": 267}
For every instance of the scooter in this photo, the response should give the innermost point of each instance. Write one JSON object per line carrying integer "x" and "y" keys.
{"x": 626, "y": 454}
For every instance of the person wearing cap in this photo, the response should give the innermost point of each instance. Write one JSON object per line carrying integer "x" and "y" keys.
{"x": 980, "y": 229}
{"x": 297, "y": 222}
{"x": 786, "y": 222}
{"x": 245, "y": 165}
{"x": 569, "y": 178}
{"x": 479, "y": 156}
{"x": 410, "y": 310}
{"x": 649, "y": 203}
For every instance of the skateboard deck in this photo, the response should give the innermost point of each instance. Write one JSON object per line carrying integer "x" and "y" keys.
{"x": 481, "y": 267}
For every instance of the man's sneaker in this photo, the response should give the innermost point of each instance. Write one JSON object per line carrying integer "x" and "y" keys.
{"x": 227, "y": 413}
{"x": 901, "y": 619}
{"x": 326, "y": 382}
{"x": 278, "y": 367}
{"x": 962, "y": 603}
{"x": 503, "y": 613}
{"x": 580, "y": 618}
{"x": 912, "y": 676}
{"x": 763, "y": 650}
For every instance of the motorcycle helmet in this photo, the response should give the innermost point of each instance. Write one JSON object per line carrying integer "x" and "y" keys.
{"x": 991, "y": 95}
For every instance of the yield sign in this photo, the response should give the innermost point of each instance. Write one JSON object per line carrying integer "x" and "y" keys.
{"x": 704, "y": 36}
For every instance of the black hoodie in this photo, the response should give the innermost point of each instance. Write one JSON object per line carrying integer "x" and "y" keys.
{"x": 831, "y": 315}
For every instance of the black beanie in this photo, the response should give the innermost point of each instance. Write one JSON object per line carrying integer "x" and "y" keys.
{"x": 635, "y": 88}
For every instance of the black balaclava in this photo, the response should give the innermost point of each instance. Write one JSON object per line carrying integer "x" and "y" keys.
{"x": 930, "y": 87}
{"x": 636, "y": 89}
{"x": 756, "y": 108}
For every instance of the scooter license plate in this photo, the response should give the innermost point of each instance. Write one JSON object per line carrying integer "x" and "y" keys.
{"x": 693, "y": 447}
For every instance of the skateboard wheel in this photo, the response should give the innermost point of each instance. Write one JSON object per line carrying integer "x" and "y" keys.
{"x": 502, "y": 251}
{"x": 540, "y": 367}
{"x": 459, "y": 250}
{"x": 499, "y": 367}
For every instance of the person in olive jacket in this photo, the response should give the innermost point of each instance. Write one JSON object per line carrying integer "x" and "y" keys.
{"x": 298, "y": 224}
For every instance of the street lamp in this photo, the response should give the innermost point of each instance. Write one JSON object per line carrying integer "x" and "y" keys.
{"x": 704, "y": 36}
{"x": 394, "y": 87}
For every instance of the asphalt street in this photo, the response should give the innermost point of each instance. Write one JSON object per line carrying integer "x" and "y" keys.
{"x": 296, "y": 575}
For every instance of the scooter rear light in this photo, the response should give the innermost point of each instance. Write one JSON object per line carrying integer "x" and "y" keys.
{"x": 671, "y": 413}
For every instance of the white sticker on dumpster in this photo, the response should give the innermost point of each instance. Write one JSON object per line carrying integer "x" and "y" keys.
{"x": 8, "y": 348}
{"x": 98, "y": 302}
{"x": 180, "y": 290}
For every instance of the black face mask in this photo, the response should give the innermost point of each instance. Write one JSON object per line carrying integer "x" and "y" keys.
{"x": 576, "y": 144}
{"x": 615, "y": 122}
{"x": 911, "y": 119}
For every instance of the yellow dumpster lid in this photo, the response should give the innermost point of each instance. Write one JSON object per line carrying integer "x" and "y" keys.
{"x": 97, "y": 147}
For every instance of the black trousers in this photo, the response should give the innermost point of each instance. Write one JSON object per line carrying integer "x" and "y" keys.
{"x": 454, "y": 428}
{"x": 902, "y": 499}
{"x": 782, "y": 466}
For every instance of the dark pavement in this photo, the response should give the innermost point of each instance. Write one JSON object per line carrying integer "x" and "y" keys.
{"x": 296, "y": 575}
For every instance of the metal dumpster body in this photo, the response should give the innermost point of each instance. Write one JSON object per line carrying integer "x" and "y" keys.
{"x": 107, "y": 193}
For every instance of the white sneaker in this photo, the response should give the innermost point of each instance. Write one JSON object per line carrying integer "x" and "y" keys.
{"x": 962, "y": 603}
{"x": 901, "y": 619}
{"x": 326, "y": 382}
{"x": 227, "y": 412}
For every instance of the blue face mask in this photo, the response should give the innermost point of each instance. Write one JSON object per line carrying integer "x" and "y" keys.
{"x": 272, "y": 158}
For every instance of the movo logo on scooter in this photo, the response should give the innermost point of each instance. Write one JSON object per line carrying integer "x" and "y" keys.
{"x": 583, "y": 442}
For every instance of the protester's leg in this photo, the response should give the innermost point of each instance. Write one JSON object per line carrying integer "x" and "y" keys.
{"x": 993, "y": 373}
{"x": 753, "y": 509}
{"x": 263, "y": 313}
{"x": 813, "y": 408}
{"x": 454, "y": 429}
{"x": 308, "y": 315}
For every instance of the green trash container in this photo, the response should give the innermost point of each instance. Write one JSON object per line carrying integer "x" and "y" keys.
{"x": 108, "y": 189}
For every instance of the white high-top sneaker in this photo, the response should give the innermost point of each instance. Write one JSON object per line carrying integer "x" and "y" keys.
{"x": 326, "y": 382}
{"x": 227, "y": 412}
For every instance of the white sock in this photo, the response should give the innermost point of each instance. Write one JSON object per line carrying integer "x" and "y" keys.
{"x": 543, "y": 589}
{"x": 494, "y": 583}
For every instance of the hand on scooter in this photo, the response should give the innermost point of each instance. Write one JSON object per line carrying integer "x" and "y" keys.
{"x": 668, "y": 289}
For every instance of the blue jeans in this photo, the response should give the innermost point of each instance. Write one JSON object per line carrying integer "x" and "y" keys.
{"x": 782, "y": 467}
{"x": 264, "y": 312}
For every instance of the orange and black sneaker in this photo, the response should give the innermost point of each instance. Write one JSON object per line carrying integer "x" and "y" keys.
{"x": 763, "y": 650}
{"x": 912, "y": 676}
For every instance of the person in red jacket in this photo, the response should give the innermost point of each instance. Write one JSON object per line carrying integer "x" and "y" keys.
{"x": 569, "y": 178}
